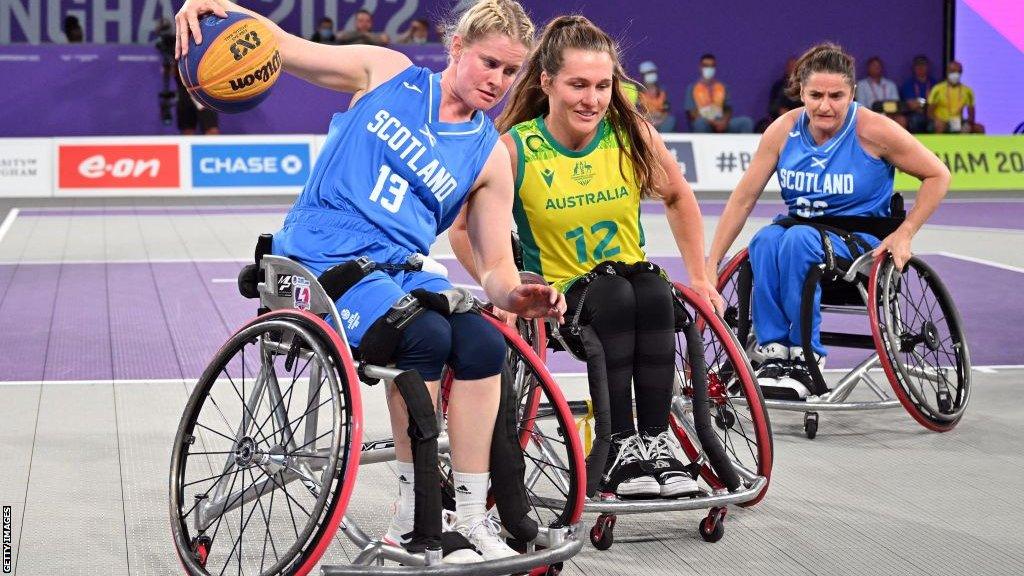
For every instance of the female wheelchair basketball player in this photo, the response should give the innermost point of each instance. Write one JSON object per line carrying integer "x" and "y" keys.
{"x": 583, "y": 158}
{"x": 413, "y": 148}
{"x": 835, "y": 162}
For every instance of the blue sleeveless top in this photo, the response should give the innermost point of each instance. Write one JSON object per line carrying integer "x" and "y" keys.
{"x": 390, "y": 173}
{"x": 837, "y": 178}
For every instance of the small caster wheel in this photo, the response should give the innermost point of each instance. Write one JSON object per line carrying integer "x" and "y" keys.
{"x": 945, "y": 401}
{"x": 712, "y": 527}
{"x": 554, "y": 569}
{"x": 201, "y": 549}
{"x": 602, "y": 533}
{"x": 725, "y": 419}
{"x": 811, "y": 425}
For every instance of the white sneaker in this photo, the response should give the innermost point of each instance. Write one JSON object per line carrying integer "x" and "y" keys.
{"x": 796, "y": 353}
{"x": 449, "y": 520}
{"x": 669, "y": 471}
{"x": 400, "y": 530}
{"x": 484, "y": 533}
{"x": 626, "y": 476}
{"x": 774, "y": 363}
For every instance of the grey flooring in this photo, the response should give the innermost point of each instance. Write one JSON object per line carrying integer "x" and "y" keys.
{"x": 85, "y": 463}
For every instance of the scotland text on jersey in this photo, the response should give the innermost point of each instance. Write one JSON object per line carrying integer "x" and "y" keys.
{"x": 433, "y": 175}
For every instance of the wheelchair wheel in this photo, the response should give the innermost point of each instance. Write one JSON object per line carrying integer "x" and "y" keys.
{"x": 737, "y": 310}
{"x": 920, "y": 341}
{"x": 267, "y": 451}
{"x": 555, "y": 473}
{"x": 734, "y": 399}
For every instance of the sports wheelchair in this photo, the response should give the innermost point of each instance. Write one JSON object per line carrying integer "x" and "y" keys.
{"x": 717, "y": 417}
{"x": 266, "y": 454}
{"x": 916, "y": 334}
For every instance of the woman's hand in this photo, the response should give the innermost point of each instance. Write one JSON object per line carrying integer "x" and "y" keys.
{"x": 707, "y": 291}
{"x": 537, "y": 301}
{"x": 186, "y": 21}
{"x": 897, "y": 244}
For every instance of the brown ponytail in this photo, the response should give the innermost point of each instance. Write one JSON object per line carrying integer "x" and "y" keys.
{"x": 529, "y": 101}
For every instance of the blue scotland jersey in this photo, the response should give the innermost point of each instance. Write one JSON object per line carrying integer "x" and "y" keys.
{"x": 838, "y": 178}
{"x": 390, "y": 173}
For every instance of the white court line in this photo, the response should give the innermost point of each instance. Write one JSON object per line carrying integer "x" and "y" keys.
{"x": 993, "y": 369}
{"x": 981, "y": 261}
{"x": 8, "y": 222}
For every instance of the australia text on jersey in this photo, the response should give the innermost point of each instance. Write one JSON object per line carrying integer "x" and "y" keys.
{"x": 410, "y": 148}
{"x": 586, "y": 199}
{"x": 799, "y": 181}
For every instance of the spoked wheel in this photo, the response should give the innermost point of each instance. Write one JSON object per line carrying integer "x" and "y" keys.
{"x": 734, "y": 399}
{"x": 266, "y": 453}
{"x": 555, "y": 473}
{"x": 920, "y": 340}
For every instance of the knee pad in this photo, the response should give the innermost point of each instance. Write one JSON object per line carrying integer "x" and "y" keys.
{"x": 478, "y": 349}
{"x": 425, "y": 345}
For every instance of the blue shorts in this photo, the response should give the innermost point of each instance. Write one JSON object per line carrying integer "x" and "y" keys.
{"x": 320, "y": 238}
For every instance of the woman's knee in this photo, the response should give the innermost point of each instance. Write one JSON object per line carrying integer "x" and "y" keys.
{"x": 801, "y": 240}
{"x": 766, "y": 239}
{"x": 478, "y": 348}
{"x": 425, "y": 345}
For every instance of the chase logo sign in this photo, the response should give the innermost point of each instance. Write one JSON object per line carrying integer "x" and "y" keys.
{"x": 249, "y": 165}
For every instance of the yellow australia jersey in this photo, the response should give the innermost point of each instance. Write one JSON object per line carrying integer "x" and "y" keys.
{"x": 574, "y": 209}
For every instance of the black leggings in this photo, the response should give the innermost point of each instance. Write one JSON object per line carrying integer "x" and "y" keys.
{"x": 634, "y": 320}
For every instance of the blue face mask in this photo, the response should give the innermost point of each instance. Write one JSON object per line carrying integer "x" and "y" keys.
{"x": 325, "y": 31}
{"x": 708, "y": 72}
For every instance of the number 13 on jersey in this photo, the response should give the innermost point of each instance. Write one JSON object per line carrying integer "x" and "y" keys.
{"x": 397, "y": 187}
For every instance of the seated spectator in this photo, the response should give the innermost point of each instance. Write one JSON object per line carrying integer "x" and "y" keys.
{"x": 947, "y": 102}
{"x": 915, "y": 95}
{"x": 418, "y": 32}
{"x": 324, "y": 32}
{"x": 363, "y": 32}
{"x": 879, "y": 93}
{"x": 778, "y": 101}
{"x": 73, "y": 29}
{"x": 653, "y": 100}
{"x": 707, "y": 103}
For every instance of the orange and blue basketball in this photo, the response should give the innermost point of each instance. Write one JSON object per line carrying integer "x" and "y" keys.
{"x": 235, "y": 66}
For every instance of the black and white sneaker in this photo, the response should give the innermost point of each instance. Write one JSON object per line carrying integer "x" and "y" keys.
{"x": 674, "y": 479}
{"x": 629, "y": 476}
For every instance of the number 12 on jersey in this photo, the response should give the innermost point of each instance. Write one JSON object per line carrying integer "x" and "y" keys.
{"x": 602, "y": 251}
{"x": 397, "y": 187}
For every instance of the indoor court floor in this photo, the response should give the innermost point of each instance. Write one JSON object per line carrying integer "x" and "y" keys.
{"x": 109, "y": 310}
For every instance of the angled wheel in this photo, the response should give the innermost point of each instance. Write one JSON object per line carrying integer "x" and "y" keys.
{"x": 555, "y": 471}
{"x": 734, "y": 399}
{"x": 266, "y": 454}
{"x": 920, "y": 341}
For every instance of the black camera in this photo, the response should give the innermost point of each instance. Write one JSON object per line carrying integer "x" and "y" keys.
{"x": 164, "y": 44}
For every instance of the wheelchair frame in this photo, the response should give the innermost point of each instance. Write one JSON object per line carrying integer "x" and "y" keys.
{"x": 752, "y": 485}
{"x": 552, "y": 546}
{"x": 865, "y": 273}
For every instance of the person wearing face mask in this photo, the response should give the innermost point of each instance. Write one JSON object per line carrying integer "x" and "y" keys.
{"x": 324, "y": 32}
{"x": 832, "y": 157}
{"x": 707, "y": 103}
{"x": 948, "y": 101}
{"x": 417, "y": 32}
{"x": 653, "y": 100}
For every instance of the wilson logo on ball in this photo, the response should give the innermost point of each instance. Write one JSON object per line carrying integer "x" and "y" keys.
{"x": 236, "y": 64}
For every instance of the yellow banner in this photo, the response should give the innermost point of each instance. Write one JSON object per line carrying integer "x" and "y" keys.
{"x": 975, "y": 162}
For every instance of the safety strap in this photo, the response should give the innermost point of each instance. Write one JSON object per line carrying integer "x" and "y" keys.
{"x": 855, "y": 244}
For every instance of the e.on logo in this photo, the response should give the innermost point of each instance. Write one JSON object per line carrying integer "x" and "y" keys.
{"x": 139, "y": 166}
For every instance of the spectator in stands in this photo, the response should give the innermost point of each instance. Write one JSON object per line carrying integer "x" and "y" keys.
{"x": 73, "y": 29}
{"x": 418, "y": 32}
{"x": 324, "y": 32}
{"x": 778, "y": 101}
{"x": 653, "y": 100}
{"x": 947, "y": 102}
{"x": 915, "y": 95}
{"x": 878, "y": 93}
{"x": 707, "y": 103}
{"x": 363, "y": 32}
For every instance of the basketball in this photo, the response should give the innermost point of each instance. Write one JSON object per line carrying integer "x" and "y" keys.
{"x": 236, "y": 65}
